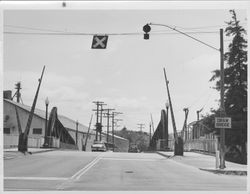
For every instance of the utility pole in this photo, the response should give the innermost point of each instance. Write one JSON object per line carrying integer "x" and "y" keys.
{"x": 98, "y": 120}
{"x": 17, "y": 93}
{"x": 108, "y": 116}
{"x": 101, "y": 110}
{"x": 141, "y": 126}
{"x": 113, "y": 123}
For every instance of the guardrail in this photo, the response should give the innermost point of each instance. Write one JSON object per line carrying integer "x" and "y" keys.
{"x": 205, "y": 145}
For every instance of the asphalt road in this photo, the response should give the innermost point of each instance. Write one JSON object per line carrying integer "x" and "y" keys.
{"x": 86, "y": 171}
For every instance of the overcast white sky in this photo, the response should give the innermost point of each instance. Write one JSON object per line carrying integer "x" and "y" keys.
{"x": 128, "y": 74}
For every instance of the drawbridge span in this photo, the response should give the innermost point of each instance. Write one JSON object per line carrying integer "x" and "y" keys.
{"x": 159, "y": 139}
{"x": 56, "y": 131}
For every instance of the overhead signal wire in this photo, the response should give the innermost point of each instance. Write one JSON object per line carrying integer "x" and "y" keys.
{"x": 92, "y": 34}
{"x": 59, "y": 32}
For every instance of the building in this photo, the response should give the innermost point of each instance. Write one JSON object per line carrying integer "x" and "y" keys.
{"x": 36, "y": 134}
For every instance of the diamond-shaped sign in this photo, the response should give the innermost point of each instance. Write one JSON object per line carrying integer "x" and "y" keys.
{"x": 99, "y": 41}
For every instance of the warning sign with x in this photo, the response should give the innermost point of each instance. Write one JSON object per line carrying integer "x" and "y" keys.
{"x": 99, "y": 41}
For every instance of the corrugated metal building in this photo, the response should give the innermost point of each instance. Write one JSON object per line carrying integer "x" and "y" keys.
{"x": 37, "y": 129}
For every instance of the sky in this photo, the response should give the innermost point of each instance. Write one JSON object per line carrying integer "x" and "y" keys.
{"x": 128, "y": 74}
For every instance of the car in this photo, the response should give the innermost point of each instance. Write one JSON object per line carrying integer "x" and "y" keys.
{"x": 98, "y": 146}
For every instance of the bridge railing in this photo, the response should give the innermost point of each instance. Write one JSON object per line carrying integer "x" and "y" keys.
{"x": 204, "y": 145}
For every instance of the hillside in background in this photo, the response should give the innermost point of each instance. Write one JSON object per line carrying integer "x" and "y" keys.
{"x": 141, "y": 139}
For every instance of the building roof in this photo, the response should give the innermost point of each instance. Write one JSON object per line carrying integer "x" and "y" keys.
{"x": 118, "y": 137}
{"x": 67, "y": 122}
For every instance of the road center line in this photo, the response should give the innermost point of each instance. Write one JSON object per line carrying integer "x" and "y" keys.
{"x": 36, "y": 178}
{"x": 78, "y": 174}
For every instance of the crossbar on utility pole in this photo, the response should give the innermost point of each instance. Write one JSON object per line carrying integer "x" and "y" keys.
{"x": 141, "y": 126}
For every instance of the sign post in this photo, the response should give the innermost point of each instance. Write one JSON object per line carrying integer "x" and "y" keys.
{"x": 222, "y": 123}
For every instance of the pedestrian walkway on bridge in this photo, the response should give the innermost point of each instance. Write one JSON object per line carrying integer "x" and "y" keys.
{"x": 206, "y": 162}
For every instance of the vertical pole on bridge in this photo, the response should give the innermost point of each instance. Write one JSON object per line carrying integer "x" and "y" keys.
{"x": 222, "y": 106}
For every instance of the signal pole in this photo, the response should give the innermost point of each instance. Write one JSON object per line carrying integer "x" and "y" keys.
{"x": 222, "y": 105}
{"x": 147, "y": 29}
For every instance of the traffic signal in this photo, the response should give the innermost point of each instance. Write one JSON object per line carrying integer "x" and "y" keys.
{"x": 146, "y": 29}
{"x": 98, "y": 127}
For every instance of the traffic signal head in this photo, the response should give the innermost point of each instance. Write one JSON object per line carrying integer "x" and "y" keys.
{"x": 146, "y": 29}
{"x": 146, "y": 36}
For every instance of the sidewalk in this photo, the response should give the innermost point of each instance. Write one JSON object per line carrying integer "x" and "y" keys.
{"x": 206, "y": 162}
{"x": 11, "y": 153}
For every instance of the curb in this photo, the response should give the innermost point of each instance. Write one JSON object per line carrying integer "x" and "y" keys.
{"x": 23, "y": 154}
{"x": 164, "y": 155}
{"x": 41, "y": 151}
{"x": 226, "y": 172}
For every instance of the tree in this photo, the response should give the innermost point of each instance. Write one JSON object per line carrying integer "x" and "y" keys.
{"x": 235, "y": 82}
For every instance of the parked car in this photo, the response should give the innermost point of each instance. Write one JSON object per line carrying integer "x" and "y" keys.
{"x": 98, "y": 146}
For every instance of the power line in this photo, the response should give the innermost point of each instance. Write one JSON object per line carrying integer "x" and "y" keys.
{"x": 92, "y": 34}
{"x": 33, "y": 28}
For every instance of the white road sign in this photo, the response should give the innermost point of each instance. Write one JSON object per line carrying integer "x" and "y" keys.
{"x": 223, "y": 122}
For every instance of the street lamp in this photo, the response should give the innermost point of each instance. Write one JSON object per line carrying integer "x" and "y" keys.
{"x": 167, "y": 107}
{"x": 147, "y": 29}
{"x": 46, "y": 144}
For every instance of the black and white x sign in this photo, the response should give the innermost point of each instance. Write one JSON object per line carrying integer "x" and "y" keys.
{"x": 99, "y": 41}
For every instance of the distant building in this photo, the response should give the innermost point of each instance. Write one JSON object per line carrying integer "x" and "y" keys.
{"x": 37, "y": 129}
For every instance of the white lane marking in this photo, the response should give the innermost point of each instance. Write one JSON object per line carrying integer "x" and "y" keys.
{"x": 85, "y": 168}
{"x": 132, "y": 159}
{"x": 79, "y": 173}
{"x": 36, "y": 178}
{"x": 16, "y": 189}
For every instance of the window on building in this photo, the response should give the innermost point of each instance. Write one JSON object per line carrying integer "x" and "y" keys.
{"x": 6, "y": 130}
{"x": 37, "y": 131}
